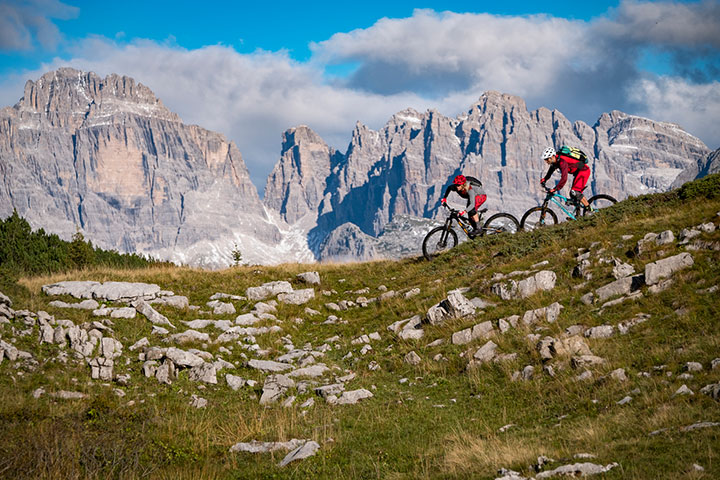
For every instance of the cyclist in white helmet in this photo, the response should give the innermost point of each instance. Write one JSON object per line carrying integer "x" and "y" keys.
{"x": 567, "y": 164}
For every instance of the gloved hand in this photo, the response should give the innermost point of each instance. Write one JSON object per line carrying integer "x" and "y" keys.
{"x": 542, "y": 181}
{"x": 461, "y": 213}
{"x": 443, "y": 201}
{"x": 552, "y": 190}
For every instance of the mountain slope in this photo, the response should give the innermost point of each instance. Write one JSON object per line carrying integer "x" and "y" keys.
{"x": 404, "y": 369}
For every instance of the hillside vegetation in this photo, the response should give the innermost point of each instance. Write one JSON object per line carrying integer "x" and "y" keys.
{"x": 557, "y": 392}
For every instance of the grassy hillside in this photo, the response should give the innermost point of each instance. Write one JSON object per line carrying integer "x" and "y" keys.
{"x": 436, "y": 419}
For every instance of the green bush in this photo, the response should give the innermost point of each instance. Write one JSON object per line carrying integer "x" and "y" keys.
{"x": 27, "y": 252}
{"x": 708, "y": 187}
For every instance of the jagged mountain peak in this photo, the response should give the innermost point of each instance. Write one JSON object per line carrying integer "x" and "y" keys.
{"x": 70, "y": 97}
{"x": 494, "y": 100}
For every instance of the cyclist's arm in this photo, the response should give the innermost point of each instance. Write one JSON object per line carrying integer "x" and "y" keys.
{"x": 549, "y": 173}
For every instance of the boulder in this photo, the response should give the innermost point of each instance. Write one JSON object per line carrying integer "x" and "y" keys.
{"x": 313, "y": 278}
{"x": 656, "y": 271}
{"x": 269, "y": 289}
{"x": 275, "y": 387}
{"x": 297, "y": 297}
{"x": 308, "y": 449}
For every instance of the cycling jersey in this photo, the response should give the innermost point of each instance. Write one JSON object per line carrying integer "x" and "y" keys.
{"x": 474, "y": 194}
{"x": 580, "y": 171}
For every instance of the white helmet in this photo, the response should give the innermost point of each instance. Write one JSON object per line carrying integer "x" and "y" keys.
{"x": 548, "y": 152}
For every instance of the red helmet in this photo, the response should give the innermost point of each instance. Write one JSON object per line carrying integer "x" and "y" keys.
{"x": 460, "y": 180}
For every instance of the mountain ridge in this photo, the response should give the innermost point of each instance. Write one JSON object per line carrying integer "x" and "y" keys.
{"x": 107, "y": 157}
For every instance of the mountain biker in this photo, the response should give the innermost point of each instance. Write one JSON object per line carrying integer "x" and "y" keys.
{"x": 566, "y": 164}
{"x": 469, "y": 188}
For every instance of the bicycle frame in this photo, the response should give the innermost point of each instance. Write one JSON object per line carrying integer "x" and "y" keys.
{"x": 462, "y": 221}
{"x": 553, "y": 197}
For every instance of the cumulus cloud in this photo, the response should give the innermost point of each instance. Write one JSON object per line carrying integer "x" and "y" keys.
{"x": 24, "y": 23}
{"x": 437, "y": 53}
{"x": 581, "y": 68}
{"x": 696, "y": 108}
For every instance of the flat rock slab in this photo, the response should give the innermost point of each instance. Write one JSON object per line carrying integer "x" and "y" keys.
{"x": 304, "y": 451}
{"x": 266, "y": 447}
{"x": 110, "y": 291}
{"x": 269, "y": 365}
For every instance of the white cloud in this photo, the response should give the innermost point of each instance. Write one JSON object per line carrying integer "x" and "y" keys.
{"x": 25, "y": 22}
{"x": 696, "y": 108}
{"x": 442, "y": 52}
{"x": 666, "y": 24}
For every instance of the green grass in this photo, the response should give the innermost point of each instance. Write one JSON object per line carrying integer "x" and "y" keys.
{"x": 444, "y": 421}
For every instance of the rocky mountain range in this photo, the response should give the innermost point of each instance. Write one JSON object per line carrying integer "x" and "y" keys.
{"x": 105, "y": 157}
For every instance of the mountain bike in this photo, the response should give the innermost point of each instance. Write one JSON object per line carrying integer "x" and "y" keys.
{"x": 444, "y": 237}
{"x": 544, "y": 215}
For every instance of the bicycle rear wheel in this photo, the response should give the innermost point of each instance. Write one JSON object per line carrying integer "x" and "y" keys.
{"x": 598, "y": 202}
{"x": 500, "y": 223}
{"x": 537, "y": 217}
{"x": 439, "y": 240}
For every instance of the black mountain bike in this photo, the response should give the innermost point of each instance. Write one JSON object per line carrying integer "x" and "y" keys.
{"x": 543, "y": 215}
{"x": 444, "y": 237}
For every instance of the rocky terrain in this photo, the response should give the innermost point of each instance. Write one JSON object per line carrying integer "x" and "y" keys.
{"x": 296, "y": 344}
{"x": 106, "y": 158}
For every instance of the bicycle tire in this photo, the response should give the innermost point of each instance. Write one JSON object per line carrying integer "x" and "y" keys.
{"x": 598, "y": 202}
{"x": 531, "y": 218}
{"x": 432, "y": 244}
{"x": 500, "y": 223}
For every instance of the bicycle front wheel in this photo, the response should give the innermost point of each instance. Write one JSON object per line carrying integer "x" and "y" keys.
{"x": 500, "y": 223}
{"x": 598, "y": 202}
{"x": 439, "y": 240}
{"x": 537, "y": 217}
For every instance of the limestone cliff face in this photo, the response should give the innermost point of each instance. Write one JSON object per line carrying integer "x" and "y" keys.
{"x": 105, "y": 156}
{"x": 404, "y": 168}
{"x": 297, "y": 184}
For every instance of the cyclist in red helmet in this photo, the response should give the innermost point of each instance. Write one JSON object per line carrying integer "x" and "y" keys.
{"x": 469, "y": 188}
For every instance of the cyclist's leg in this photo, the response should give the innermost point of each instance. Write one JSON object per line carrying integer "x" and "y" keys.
{"x": 579, "y": 183}
{"x": 473, "y": 215}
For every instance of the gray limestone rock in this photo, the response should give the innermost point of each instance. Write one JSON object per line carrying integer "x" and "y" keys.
{"x": 486, "y": 353}
{"x": 269, "y": 289}
{"x": 151, "y": 314}
{"x": 541, "y": 281}
{"x": 352, "y": 397}
{"x": 308, "y": 449}
{"x": 266, "y": 447}
{"x": 313, "y": 278}
{"x": 176, "y": 301}
{"x": 275, "y": 387}
{"x": 622, "y": 286}
{"x": 205, "y": 373}
{"x": 269, "y": 365}
{"x": 656, "y": 271}
{"x": 576, "y": 469}
{"x": 413, "y": 358}
{"x": 297, "y": 297}
{"x": 481, "y": 330}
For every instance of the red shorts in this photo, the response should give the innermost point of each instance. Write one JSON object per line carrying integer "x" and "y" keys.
{"x": 581, "y": 180}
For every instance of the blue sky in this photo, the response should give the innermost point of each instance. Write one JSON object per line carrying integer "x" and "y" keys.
{"x": 251, "y": 70}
